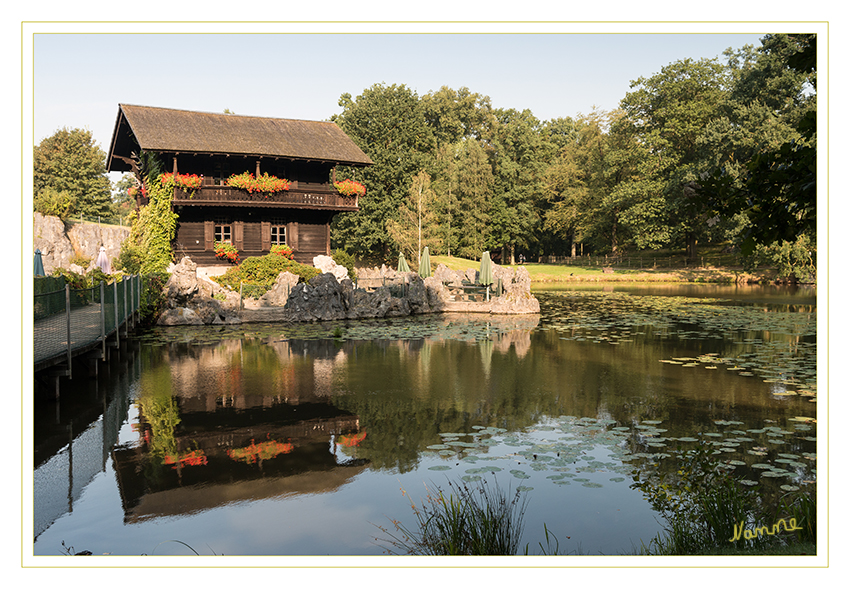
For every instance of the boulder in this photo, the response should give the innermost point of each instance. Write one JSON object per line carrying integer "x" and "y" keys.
{"x": 278, "y": 295}
{"x": 212, "y": 312}
{"x": 327, "y": 265}
{"x": 515, "y": 300}
{"x": 437, "y": 292}
{"x": 443, "y": 275}
{"x": 417, "y": 294}
{"x": 183, "y": 283}
{"x": 321, "y": 299}
{"x": 180, "y": 316}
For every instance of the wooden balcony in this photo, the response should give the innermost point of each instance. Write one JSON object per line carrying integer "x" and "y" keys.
{"x": 299, "y": 196}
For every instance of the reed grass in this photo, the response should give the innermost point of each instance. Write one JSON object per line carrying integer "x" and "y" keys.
{"x": 463, "y": 520}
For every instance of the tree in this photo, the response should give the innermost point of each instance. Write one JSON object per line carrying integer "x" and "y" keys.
{"x": 70, "y": 162}
{"x": 576, "y": 179}
{"x": 474, "y": 194}
{"x": 519, "y": 153}
{"x": 416, "y": 223}
{"x": 774, "y": 181}
{"x": 666, "y": 114}
{"x": 454, "y": 115}
{"x": 445, "y": 187}
{"x": 388, "y": 124}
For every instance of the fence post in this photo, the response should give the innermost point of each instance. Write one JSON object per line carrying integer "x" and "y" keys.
{"x": 68, "y": 322}
{"x": 124, "y": 284}
{"x": 132, "y": 309}
{"x": 115, "y": 300}
{"x": 103, "y": 318}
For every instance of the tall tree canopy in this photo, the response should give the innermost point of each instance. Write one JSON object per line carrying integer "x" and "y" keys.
{"x": 70, "y": 162}
{"x": 702, "y": 150}
{"x": 666, "y": 114}
{"x": 772, "y": 178}
{"x": 388, "y": 124}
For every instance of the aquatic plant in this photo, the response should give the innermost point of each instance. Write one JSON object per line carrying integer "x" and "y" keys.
{"x": 477, "y": 520}
{"x": 801, "y": 506}
{"x": 702, "y": 505}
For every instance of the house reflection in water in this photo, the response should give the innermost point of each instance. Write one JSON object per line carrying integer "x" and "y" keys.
{"x": 230, "y": 432}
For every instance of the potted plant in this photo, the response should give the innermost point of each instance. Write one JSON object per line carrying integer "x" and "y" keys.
{"x": 226, "y": 251}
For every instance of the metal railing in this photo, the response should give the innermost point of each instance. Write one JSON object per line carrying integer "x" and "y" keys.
{"x": 69, "y": 320}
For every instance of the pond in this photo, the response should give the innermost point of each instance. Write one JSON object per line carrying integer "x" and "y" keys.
{"x": 274, "y": 439}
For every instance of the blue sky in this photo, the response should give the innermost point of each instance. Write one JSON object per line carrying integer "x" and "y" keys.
{"x": 79, "y": 79}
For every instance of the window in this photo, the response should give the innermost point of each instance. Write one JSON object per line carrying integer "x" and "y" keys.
{"x": 223, "y": 231}
{"x": 278, "y": 234}
{"x": 221, "y": 172}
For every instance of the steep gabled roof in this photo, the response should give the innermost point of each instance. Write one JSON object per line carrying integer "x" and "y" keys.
{"x": 184, "y": 131}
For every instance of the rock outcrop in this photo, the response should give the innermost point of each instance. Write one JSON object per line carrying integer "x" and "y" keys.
{"x": 191, "y": 300}
{"x": 331, "y": 296}
{"x": 59, "y": 244}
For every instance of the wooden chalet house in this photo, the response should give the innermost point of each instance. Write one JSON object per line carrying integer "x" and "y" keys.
{"x": 218, "y": 146}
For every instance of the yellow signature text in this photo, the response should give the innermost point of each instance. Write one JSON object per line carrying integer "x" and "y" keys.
{"x": 781, "y": 525}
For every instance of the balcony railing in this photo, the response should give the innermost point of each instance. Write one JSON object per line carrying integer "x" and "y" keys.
{"x": 319, "y": 196}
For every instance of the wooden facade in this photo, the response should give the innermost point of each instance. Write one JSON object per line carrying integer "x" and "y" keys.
{"x": 217, "y": 146}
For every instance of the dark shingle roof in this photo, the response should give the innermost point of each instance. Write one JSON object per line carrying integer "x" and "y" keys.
{"x": 165, "y": 129}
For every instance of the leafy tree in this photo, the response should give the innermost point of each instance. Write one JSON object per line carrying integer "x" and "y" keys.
{"x": 666, "y": 114}
{"x": 576, "y": 179}
{"x": 519, "y": 153}
{"x": 70, "y": 162}
{"x": 453, "y": 115}
{"x": 774, "y": 181}
{"x": 416, "y": 223}
{"x": 445, "y": 188}
{"x": 388, "y": 124}
{"x": 124, "y": 202}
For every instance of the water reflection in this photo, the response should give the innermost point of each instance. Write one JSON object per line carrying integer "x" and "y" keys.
{"x": 243, "y": 418}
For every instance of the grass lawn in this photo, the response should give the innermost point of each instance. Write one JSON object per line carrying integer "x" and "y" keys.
{"x": 541, "y": 273}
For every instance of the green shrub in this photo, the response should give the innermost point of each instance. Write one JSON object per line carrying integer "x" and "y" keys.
{"x": 262, "y": 271}
{"x": 129, "y": 258}
{"x": 55, "y": 203}
{"x": 80, "y": 260}
{"x": 152, "y": 299}
{"x": 346, "y": 260}
{"x": 702, "y": 504}
{"x": 795, "y": 261}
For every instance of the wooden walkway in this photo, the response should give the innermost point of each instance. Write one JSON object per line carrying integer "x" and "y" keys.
{"x": 60, "y": 337}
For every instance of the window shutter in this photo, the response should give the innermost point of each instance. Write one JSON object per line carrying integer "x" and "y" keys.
{"x": 209, "y": 235}
{"x": 266, "y": 235}
{"x": 292, "y": 235}
{"x": 238, "y": 232}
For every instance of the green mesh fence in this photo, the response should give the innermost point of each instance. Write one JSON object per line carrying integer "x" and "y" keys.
{"x": 94, "y": 313}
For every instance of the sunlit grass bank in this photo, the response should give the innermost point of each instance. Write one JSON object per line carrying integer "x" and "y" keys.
{"x": 543, "y": 273}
